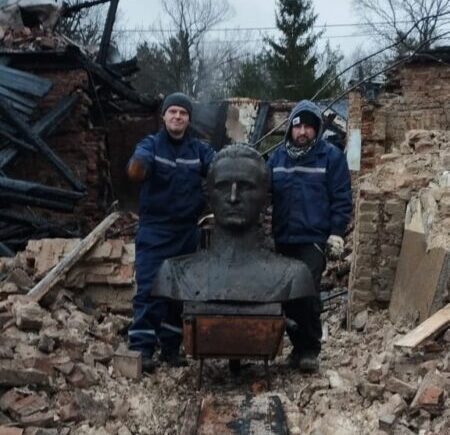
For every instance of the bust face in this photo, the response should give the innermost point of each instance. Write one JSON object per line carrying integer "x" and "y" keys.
{"x": 237, "y": 192}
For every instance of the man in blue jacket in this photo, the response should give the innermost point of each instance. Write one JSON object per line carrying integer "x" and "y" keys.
{"x": 169, "y": 167}
{"x": 312, "y": 205}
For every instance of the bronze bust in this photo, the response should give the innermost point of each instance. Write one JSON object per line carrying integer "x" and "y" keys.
{"x": 236, "y": 267}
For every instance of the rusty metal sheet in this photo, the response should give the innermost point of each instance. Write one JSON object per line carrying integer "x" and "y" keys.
{"x": 233, "y": 336}
{"x": 188, "y": 336}
{"x": 244, "y": 415}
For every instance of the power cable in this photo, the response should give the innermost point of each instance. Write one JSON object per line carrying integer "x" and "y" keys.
{"x": 351, "y": 88}
{"x": 400, "y": 41}
{"x": 246, "y": 29}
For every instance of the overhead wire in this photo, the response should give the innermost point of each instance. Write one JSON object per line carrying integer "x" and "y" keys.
{"x": 355, "y": 86}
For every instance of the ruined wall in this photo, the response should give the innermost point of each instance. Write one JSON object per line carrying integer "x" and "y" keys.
{"x": 420, "y": 100}
{"x": 417, "y": 96}
{"x": 97, "y": 155}
{"x": 380, "y": 212}
{"x": 79, "y": 144}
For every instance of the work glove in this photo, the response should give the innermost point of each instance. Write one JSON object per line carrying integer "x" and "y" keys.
{"x": 335, "y": 247}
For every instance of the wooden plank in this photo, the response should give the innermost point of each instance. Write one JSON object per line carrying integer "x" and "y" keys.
{"x": 52, "y": 119}
{"x": 16, "y": 141}
{"x": 52, "y": 204}
{"x": 432, "y": 325}
{"x": 119, "y": 87}
{"x": 58, "y": 272}
{"x": 7, "y": 155}
{"x": 418, "y": 285}
{"x": 14, "y": 96}
{"x": 30, "y": 188}
{"x": 106, "y": 37}
{"x": 24, "y": 82}
{"x": 34, "y": 139}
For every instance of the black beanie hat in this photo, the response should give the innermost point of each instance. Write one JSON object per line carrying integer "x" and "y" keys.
{"x": 308, "y": 118}
{"x": 177, "y": 99}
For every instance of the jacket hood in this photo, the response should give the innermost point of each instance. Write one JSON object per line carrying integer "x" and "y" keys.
{"x": 305, "y": 106}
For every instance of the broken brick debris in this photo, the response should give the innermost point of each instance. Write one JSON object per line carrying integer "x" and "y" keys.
{"x": 128, "y": 363}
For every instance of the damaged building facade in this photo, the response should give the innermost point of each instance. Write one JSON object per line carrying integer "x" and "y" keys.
{"x": 405, "y": 162}
{"x": 68, "y": 126}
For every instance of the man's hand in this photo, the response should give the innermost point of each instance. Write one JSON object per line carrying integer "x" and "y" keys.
{"x": 136, "y": 171}
{"x": 335, "y": 247}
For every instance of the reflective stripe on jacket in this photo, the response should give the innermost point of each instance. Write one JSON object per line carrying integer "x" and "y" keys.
{"x": 311, "y": 196}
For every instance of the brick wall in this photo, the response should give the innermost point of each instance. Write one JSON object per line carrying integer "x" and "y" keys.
{"x": 417, "y": 97}
{"x": 97, "y": 155}
{"x": 380, "y": 208}
{"x": 79, "y": 144}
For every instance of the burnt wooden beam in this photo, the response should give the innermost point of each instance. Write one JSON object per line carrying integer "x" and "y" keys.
{"x": 70, "y": 10}
{"x": 37, "y": 222}
{"x": 19, "y": 98}
{"x": 116, "y": 85}
{"x": 106, "y": 37}
{"x": 125, "y": 68}
{"x": 6, "y": 127}
{"x": 13, "y": 217}
{"x": 36, "y": 189}
{"x": 5, "y": 251}
{"x": 19, "y": 198}
{"x": 18, "y": 142}
{"x": 24, "y": 82}
{"x": 51, "y": 120}
{"x": 7, "y": 155}
{"x": 261, "y": 119}
{"x": 44, "y": 127}
{"x": 30, "y": 136}
{"x": 14, "y": 231}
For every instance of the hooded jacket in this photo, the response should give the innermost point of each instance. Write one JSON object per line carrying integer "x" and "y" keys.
{"x": 311, "y": 195}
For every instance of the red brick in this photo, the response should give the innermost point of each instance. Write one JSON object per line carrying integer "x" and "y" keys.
{"x": 28, "y": 405}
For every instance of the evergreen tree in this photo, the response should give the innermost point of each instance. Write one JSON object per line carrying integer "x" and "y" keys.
{"x": 252, "y": 79}
{"x": 293, "y": 62}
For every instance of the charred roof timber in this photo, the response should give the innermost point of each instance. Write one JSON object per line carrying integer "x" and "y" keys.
{"x": 19, "y": 94}
{"x": 23, "y": 133}
{"x": 67, "y": 11}
{"x": 106, "y": 37}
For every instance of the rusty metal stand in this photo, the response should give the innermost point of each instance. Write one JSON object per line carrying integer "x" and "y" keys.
{"x": 200, "y": 372}
{"x": 266, "y": 368}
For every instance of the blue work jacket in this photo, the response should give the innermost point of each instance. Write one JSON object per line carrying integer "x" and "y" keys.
{"x": 172, "y": 195}
{"x": 311, "y": 196}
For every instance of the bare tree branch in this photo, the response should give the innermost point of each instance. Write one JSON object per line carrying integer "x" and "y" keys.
{"x": 390, "y": 18}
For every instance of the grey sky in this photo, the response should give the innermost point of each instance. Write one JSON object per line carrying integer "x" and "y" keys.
{"x": 257, "y": 13}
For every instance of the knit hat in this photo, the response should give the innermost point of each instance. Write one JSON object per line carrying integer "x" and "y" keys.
{"x": 177, "y": 99}
{"x": 308, "y": 118}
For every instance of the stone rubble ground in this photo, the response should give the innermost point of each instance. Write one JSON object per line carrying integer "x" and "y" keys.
{"x": 56, "y": 374}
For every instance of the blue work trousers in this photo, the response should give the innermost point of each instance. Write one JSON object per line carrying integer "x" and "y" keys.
{"x": 157, "y": 321}
{"x": 305, "y": 312}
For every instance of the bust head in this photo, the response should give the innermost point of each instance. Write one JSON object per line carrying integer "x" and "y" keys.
{"x": 236, "y": 267}
{"x": 238, "y": 182}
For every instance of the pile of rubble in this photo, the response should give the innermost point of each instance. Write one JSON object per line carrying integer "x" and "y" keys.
{"x": 64, "y": 368}
{"x": 34, "y": 39}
